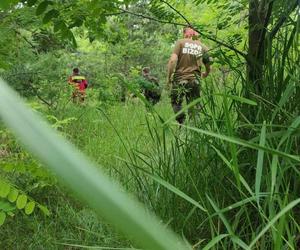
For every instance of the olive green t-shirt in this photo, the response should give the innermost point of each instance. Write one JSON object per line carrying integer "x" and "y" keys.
{"x": 190, "y": 58}
{"x": 150, "y": 83}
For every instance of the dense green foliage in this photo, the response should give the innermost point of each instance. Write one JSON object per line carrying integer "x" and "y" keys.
{"x": 228, "y": 180}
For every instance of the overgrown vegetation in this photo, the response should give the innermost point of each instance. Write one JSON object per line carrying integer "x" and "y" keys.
{"x": 226, "y": 180}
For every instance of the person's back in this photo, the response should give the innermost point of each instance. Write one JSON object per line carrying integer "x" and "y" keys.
{"x": 184, "y": 70}
{"x": 189, "y": 54}
{"x": 79, "y": 83}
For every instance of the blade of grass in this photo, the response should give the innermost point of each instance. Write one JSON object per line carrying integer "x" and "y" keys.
{"x": 95, "y": 247}
{"x": 106, "y": 197}
{"x": 233, "y": 147}
{"x": 239, "y": 204}
{"x": 260, "y": 161}
{"x": 271, "y": 222}
{"x": 176, "y": 191}
{"x": 274, "y": 167}
{"x": 284, "y": 99}
{"x": 170, "y": 187}
{"x": 233, "y": 237}
{"x": 214, "y": 241}
{"x": 243, "y": 143}
{"x": 295, "y": 125}
{"x": 238, "y": 98}
{"x": 228, "y": 164}
{"x": 221, "y": 215}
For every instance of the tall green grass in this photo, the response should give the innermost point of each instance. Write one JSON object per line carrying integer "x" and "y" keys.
{"x": 226, "y": 180}
{"x": 221, "y": 191}
{"x": 187, "y": 176}
{"x": 79, "y": 174}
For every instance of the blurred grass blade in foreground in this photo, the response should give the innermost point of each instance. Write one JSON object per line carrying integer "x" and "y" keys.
{"x": 82, "y": 177}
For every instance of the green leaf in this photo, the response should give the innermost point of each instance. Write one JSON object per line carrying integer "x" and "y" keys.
{"x": 31, "y": 2}
{"x": 2, "y": 218}
{"x": 42, "y": 7}
{"x": 13, "y": 195}
{"x": 60, "y": 26}
{"x": 6, "y": 206}
{"x": 50, "y": 15}
{"x": 108, "y": 199}
{"x": 44, "y": 209}
{"x": 29, "y": 208}
{"x": 4, "y": 189}
{"x": 21, "y": 201}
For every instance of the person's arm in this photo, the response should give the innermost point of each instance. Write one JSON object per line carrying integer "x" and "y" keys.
{"x": 173, "y": 61}
{"x": 207, "y": 70}
{"x": 171, "y": 66}
{"x": 207, "y": 61}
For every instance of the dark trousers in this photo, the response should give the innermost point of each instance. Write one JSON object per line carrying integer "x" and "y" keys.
{"x": 190, "y": 89}
{"x": 152, "y": 96}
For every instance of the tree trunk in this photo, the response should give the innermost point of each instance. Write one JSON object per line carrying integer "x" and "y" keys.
{"x": 259, "y": 15}
{"x": 260, "y": 12}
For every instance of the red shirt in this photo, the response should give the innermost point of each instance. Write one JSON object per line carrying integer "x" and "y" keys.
{"x": 79, "y": 81}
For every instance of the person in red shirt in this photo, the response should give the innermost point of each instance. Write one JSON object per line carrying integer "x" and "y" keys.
{"x": 79, "y": 83}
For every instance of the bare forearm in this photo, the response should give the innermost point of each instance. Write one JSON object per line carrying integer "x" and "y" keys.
{"x": 171, "y": 69}
{"x": 207, "y": 68}
{"x": 171, "y": 66}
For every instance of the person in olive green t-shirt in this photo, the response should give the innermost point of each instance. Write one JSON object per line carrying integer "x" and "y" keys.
{"x": 184, "y": 70}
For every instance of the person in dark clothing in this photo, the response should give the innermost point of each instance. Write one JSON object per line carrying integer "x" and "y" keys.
{"x": 150, "y": 87}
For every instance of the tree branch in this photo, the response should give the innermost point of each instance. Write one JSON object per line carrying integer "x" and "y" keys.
{"x": 208, "y": 37}
{"x": 179, "y": 13}
{"x": 37, "y": 94}
{"x": 148, "y": 17}
{"x": 244, "y": 55}
{"x": 27, "y": 41}
{"x": 115, "y": 14}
